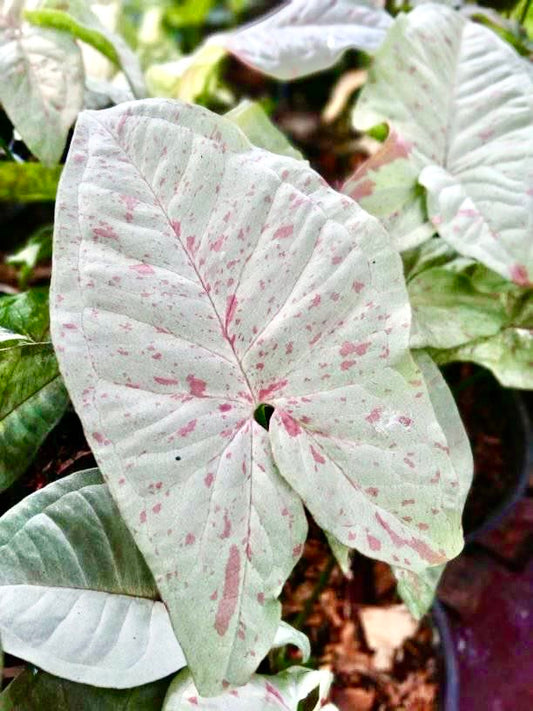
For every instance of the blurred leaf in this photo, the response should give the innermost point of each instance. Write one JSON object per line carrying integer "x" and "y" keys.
{"x": 260, "y": 130}
{"x": 32, "y": 395}
{"x": 28, "y": 182}
{"x": 189, "y": 13}
{"x": 36, "y": 690}
{"x": 83, "y": 23}
{"x": 60, "y": 20}
{"x": 37, "y": 248}
{"x": 42, "y": 83}
{"x": 189, "y": 78}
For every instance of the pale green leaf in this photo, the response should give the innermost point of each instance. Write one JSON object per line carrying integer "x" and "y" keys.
{"x": 81, "y": 604}
{"x": 288, "y": 635}
{"x": 28, "y": 182}
{"x": 418, "y": 590}
{"x": 35, "y": 690}
{"x": 42, "y": 86}
{"x": 386, "y": 186}
{"x": 259, "y": 129}
{"x": 282, "y": 692}
{"x": 216, "y": 277}
{"x": 188, "y": 78}
{"x": 461, "y": 101}
{"x": 508, "y": 354}
{"x": 32, "y": 395}
{"x": 37, "y": 247}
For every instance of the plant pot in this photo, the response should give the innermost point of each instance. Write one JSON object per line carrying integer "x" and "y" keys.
{"x": 448, "y": 695}
{"x": 499, "y": 428}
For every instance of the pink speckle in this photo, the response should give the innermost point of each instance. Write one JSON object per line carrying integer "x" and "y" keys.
{"x": 359, "y": 349}
{"x": 230, "y": 595}
{"x": 289, "y": 348}
{"x": 208, "y": 480}
{"x": 405, "y": 421}
{"x": 70, "y": 326}
{"x": 261, "y": 598}
{"x": 142, "y": 517}
{"x": 157, "y": 508}
{"x": 142, "y": 269}
{"x": 347, "y": 364}
{"x": 292, "y": 428}
{"x": 372, "y": 491}
{"x": 157, "y": 356}
{"x": 196, "y": 386}
{"x": 105, "y": 231}
{"x": 231, "y": 306}
{"x": 226, "y": 407}
{"x": 362, "y": 189}
{"x": 217, "y": 245}
{"x": 374, "y": 416}
{"x": 317, "y": 456}
{"x": 265, "y": 393}
{"x": 227, "y": 527}
{"x": 187, "y": 429}
{"x": 297, "y": 551}
{"x": 519, "y": 275}
{"x": 176, "y": 226}
{"x": 189, "y": 539}
{"x": 358, "y": 286}
{"x": 191, "y": 244}
{"x": 99, "y": 437}
{"x": 373, "y": 542}
{"x": 165, "y": 381}
{"x": 193, "y": 700}
{"x": 316, "y": 300}
{"x": 275, "y": 693}
{"x": 284, "y": 232}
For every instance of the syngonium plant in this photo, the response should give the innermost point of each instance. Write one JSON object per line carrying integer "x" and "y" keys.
{"x": 234, "y": 335}
{"x": 452, "y": 182}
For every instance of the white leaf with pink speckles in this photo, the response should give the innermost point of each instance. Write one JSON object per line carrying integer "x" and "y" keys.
{"x": 462, "y": 100}
{"x": 282, "y": 692}
{"x": 196, "y": 277}
{"x": 306, "y": 36}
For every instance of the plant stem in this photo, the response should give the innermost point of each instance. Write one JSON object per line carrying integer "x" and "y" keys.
{"x": 319, "y": 587}
{"x": 525, "y": 11}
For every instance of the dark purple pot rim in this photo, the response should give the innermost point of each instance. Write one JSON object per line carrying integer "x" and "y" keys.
{"x": 448, "y": 696}
{"x": 521, "y": 460}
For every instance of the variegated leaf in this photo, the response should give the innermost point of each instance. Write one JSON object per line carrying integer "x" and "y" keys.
{"x": 282, "y": 692}
{"x": 41, "y": 85}
{"x": 461, "y": 101}
{"x": 307, "y": 36}
{"x": 215, "y": 277}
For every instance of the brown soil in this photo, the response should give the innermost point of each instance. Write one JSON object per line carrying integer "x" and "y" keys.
{"x": 338, "y": 640}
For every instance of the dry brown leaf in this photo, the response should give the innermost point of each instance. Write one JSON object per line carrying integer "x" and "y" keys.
{"x": 341, "y": 93}
{"x": 386, "y": 629}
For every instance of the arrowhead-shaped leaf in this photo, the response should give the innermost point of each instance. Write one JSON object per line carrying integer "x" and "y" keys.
{"x": 32, "y": 395}
{"x": 211, "y": 278}
{"x": 461, "y": 100}
{"x": 306, "y": 36}
{"x": 76, "y": 597}
{"x": 42, "y": 84}
{"x": 282, "y": 692}
{"x": 38, "y": 691}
